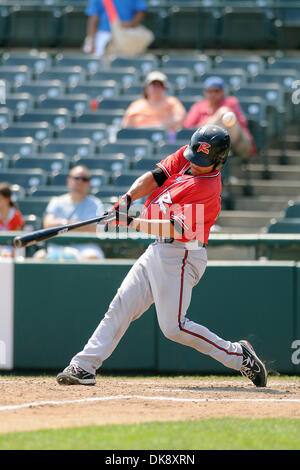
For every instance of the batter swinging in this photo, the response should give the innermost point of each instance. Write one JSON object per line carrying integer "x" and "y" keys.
{"x": 182, "y": 205}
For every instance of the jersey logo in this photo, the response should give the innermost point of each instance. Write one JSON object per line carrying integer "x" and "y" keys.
{"x": 164, "y": 199}
{"x": 204, "y": 147}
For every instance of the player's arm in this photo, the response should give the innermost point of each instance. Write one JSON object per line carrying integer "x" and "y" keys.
{"x": 158, "y": 228}
{"x": 142, "y": 186}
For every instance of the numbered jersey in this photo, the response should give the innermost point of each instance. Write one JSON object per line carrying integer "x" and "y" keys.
{"x": 191, "y": 202}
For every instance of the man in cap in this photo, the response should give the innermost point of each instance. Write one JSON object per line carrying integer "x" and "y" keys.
{"x": 225, "y": 111}
{"x": 155, "y": 109}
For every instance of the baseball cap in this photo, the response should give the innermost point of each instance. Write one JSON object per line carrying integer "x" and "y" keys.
{"x": 156, "y": 76}
{"x": 213, "y": 82}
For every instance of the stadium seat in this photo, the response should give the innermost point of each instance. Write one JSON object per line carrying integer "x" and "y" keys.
{"x": 57, "y": 118}
{"x": 198, "y": 64}
{"x": 5, "y": 24}
{"x": 96, "y": 89}
{"x": 6, "y": 117}
{"x": 110, "y": 163}
{"x": 131, "y": 148}
{"x": 23, "y": 146}
{"x": 185, "y": 134}
{"x": 19, "y": 103}
{"x": 95, "y": 132}
{"x": 110, "y": 191}
{"x": 99, "y": 178}
{"x": 145, "y": 164}
{"x": 73, "y": 103}
{"x": 120, "y": 103}
{"x": 292, "y": 211}
{"x": 288, "y": 225}
{"x": 39, "y": 88}
{"x": 38, "y": 131}
{"x": 179, "y": 77}
{"x": 285, "y": 77}
{"x": 251, "y": 64}
{"x": 47, "y": 191}
{"x": 70, "y": 147}
{"x": 126, "y": 178}
{"x": 33, "y": 205}
{"x": 15, "y": 75}
{"x": 110, "y": 117}
{"x": 145, "y": 63}
{"x": 154, "y": 135}
{"x": 125, "y": 76}
{"x": 23, "y": 177}
{"x": 196, "y": 91}
{"x": 233, "y": 78}
{"x": 239, "y": 22}
{"x": 4, "y": 161}
{"x": 193, "y": 27}
{"x": 34, "y": 60}
{"x": 165, "y": 149}
{"x": 89, "y": 63}
{"x": 71, "y": 76}
{"x": 48, "y": 164}
{"x": 285, "y": 62}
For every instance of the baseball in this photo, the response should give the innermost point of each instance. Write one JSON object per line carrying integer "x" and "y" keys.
{"x": 229, "y": 119}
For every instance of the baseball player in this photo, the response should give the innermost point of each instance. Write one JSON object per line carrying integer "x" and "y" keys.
{"x": 183, "y": 203}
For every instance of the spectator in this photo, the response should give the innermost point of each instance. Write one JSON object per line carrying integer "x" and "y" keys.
{"x": 222, "y": 110}
{"x": 155, "y": 109}
{"x": 131, "y": 13}
{"x": 10, "y": 216}
{"x": 74, "y": 206}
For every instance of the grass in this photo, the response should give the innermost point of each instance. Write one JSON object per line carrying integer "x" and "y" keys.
{"x": 206, "y": 434}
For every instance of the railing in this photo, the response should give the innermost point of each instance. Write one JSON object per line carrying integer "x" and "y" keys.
{"x": 130, "y": 245}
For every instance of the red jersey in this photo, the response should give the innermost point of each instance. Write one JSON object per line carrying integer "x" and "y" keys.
{"x": 193, "y": 202}
{"x": 14, "y": 221}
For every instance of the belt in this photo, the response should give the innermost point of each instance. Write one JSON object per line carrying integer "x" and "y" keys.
{"x": 191, "y": 245}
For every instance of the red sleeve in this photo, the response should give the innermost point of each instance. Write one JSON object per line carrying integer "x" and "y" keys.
{"x": 174, "y": 163}
{"x": 194, "y": 116}
{"x": 18, "y": 220}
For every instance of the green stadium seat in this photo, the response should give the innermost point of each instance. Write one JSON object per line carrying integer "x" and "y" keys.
{"x": 18, "y": 145}
{"x": 34, "y": 60}
{"x": 154, "y": 135}
{"x": 285, "y": 77}
{"x": 47, "y": 191}
{"x": 19, "y": 103}
{"x": 57, "y": 118}
{"x": 233, "y": 78}
{"x": 288, "y": 225}
{"x": 110, "y": 163}
{"x": 48, "y": 164}
{"x": 109, "y": 117}
{"x": 131, "y": 148}
{"x": 198, "y": 64}
{"x": 96, "y": 132}
{"x": 110, "y": 191}
{"x": 89, "y": 63}
{"x": 99, "y": 178}
{"x": 96, "y": 89}
{"x": 165, "y": 149}
{"x": 125, "y": 76}
{"x": 145, "y": 63}
{"x": 251, "y": 64}
{"x": 127, "y": 178}
{"x": 179, "y": 77}
{"x": 145, "y": 164}
{"x": 197, "y": 91}
{"x": 71, "y": 76}
{"x": 193, "y": 27}
{"x": 33, "y": 205}
{"x": 6, "y": 117}
{"x": 185, "y": 134}
{"x": 292, "y": 210}
{"x": 120, "y": 103}
{"x": 5, "y": 24}
{"x": 32, "y": 223}
{"x": 4, "y": 161}
{"x": 70, "y": 147}
{"x": 285, "y": 62}
{"x": 25, "y": 178}
{"x": 38, "y": 131}
{"x": 39, "y": 88}
{"x": 73, "y": 103}
{"x": 15, "y": 75}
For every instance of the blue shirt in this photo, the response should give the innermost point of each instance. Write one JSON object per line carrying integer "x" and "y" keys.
{"x": 126, "y": 10}
{"x": 62, "y": 207}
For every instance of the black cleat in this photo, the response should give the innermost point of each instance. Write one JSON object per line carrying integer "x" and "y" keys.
{"x": 74, "y": 375}
{"x": 252, "y": 367}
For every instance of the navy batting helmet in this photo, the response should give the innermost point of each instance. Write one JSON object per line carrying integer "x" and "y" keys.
{"x": 209, "y": 145}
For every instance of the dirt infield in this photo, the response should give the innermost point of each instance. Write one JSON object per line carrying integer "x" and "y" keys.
{"x": 40, "y": 403}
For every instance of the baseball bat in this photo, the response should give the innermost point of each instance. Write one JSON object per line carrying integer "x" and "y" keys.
{"x": 44, "y": 234}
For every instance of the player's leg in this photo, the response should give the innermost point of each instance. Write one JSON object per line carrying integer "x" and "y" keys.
{"x": 132, "y": 299}
{"x": 179, "y": 271}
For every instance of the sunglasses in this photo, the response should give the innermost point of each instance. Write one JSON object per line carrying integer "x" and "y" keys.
{"x": 85, "y": 179}
{"x": 212, "y": 90}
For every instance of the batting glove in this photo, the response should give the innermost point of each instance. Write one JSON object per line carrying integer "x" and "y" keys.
{"x": 116, "y": 219}
{"x": 123, "y": 204}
